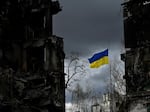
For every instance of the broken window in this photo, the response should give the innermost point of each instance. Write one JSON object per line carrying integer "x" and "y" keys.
{"x": 35, "y": 58}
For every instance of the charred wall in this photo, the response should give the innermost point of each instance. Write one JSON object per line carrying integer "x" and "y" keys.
{"x": 136, "y": 22}
{"x": 137, "y": 56}
{"x": 31, "y": 58}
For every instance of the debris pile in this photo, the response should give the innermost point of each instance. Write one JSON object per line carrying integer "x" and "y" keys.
{"x": 28, "y": 92}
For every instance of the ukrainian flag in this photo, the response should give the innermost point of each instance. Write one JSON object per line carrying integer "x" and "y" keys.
{"x": 99, "y": 59}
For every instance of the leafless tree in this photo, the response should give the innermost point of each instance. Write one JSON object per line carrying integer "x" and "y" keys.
{"x": 81, "y": 98}
{"x": 117, "y": 84}
{"x": 117, "y": 73}
{"x": 75, "y": 69}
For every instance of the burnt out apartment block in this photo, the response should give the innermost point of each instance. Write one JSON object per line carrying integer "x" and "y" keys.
{"x": 31, "y": 57}
{"x": 137, "y": 56}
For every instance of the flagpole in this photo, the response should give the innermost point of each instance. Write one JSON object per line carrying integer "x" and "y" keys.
{"x": 110, "y": 81}
{"x": 110, "y": 87}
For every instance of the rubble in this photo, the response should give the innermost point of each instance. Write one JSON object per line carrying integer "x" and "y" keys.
{"x": 137, "y": 55}
{"x": 29, "y": 91}
{"x": 31, "y": 57}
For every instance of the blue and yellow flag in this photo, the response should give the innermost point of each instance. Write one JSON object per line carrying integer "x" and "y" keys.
{"x": 99, "y": 59}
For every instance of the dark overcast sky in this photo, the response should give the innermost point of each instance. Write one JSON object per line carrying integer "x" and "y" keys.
{"x": 90, "y": 26}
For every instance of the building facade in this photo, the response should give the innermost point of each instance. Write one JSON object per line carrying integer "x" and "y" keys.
{"x": 31, "y": 57}
{"x": 137, "y": 56}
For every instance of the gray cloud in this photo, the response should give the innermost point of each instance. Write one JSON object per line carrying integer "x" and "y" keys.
{"x": 90, "y": 26}
{"x": 87, "y": 23}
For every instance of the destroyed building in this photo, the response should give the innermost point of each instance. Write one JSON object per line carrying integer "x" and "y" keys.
{"x": 137, "y": 56}
{"x": 31, "y": 57}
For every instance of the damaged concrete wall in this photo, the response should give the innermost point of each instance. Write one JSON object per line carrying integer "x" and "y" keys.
{"x": 137, "y": 56}
{"x": 138, "y": 107}
{"x": 31, "y": 58}
{"x": 137, "y": 69}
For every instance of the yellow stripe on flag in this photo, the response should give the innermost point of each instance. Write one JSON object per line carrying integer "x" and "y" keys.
{"x": 100, "y": 62}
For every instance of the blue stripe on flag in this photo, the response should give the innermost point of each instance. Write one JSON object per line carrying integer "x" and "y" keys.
{"x": 98, "y": 56}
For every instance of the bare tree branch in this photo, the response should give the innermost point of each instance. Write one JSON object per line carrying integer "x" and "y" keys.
{"x": 75, "y": 69}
